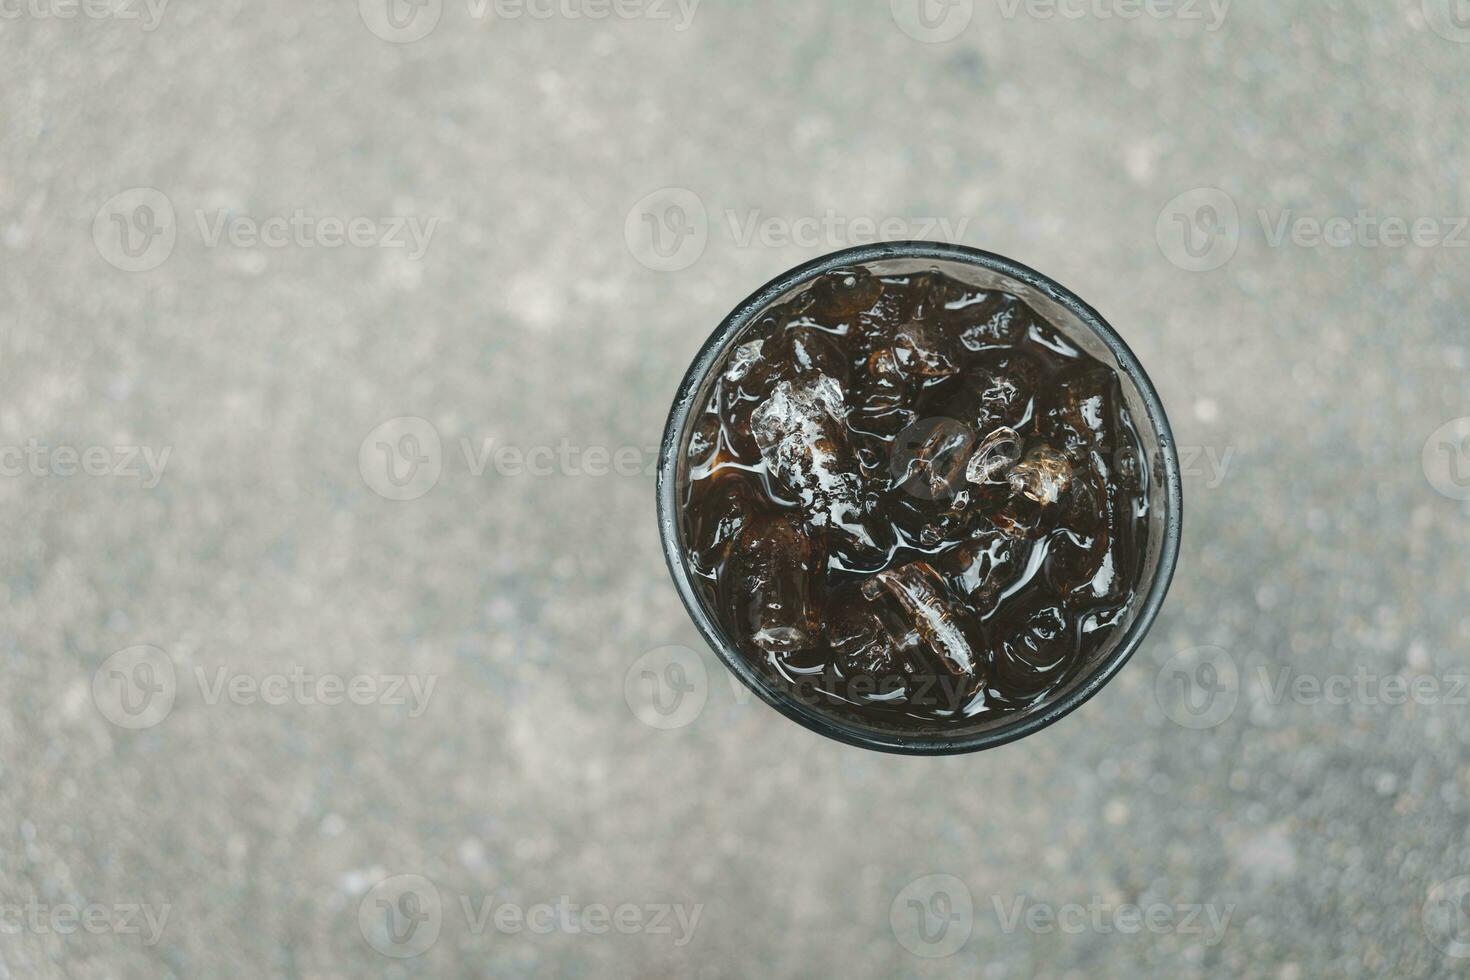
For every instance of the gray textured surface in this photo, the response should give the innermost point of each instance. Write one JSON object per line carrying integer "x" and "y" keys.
{"x": 1321, "y": 548}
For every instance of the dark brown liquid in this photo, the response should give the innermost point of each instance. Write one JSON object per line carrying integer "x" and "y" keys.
{"x": 914, "y": 502}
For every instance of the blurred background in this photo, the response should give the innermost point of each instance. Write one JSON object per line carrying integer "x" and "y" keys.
{"x": 335, "y": 341}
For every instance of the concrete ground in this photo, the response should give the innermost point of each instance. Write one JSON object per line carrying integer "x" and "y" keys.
{"x": 334, "y": 342}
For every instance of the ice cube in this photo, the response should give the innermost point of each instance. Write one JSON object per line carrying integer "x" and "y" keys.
{"x": 986, "y": 320}
{"x": 1033, "y": 655}
{"x": 802, "y": 433}
{"x": 736, "y": 405}
{"x": 742, "y": 385}
{"x": 929, "y": 458}
{"x": 1001, "y": 328}
{"x": 742, "y": 359}
{"x": 1002, "y": 392}
{"x": 938, "y": 299}
{"x": 923, "y": 351}
{"x": 927, "y": 525}
{"x": 940, "y": 619}
{"x": 765, "y": 584}
{"x": 753, "y": 368}
{"x": 982, "y": 566}
{"x": 844, "y": 293}
{"x": 1084, "y": 407}
{"x": 720, "y": 507}
{"x": 1021, "y": 517}
{"x": 884, "y": 402}
{"x": 1043, "y": 475}
{"x": 994, "y": 456}
{"x": 704, "y": 440}
{"x": 894, "y": 305}
{"x": 861, "y": 642}
{"x": 1090, "y": 564}
{"x": 883, "y": 365}
{"x": 805, "y": 352}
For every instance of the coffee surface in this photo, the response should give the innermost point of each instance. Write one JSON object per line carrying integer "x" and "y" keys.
{"x": 914, "y": 502}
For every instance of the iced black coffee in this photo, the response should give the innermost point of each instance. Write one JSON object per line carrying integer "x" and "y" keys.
{"x": 913, "y": 501}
